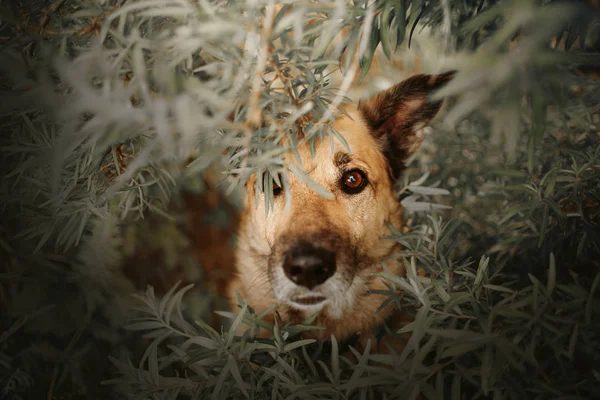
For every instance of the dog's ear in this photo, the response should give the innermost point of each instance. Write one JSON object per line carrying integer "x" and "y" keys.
{"x": 396, "y": 117}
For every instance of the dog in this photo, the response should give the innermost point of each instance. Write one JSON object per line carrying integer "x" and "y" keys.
{"x": 320, "y": 256}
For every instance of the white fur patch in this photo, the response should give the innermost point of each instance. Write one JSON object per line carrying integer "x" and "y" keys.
{"x": 339, "y": 297}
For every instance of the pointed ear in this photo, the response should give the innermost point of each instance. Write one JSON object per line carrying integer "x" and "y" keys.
{"x": 396, "y": 117}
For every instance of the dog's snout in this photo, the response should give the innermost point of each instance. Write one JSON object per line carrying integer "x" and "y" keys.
{"x": 309, "y": 266}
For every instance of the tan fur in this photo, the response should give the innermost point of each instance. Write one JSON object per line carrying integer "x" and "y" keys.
{"x": 363, "y": 218}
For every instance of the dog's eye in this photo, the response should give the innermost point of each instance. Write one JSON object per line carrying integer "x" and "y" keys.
{"x": 354, "y": 181}
{"x": 276, "y": 189}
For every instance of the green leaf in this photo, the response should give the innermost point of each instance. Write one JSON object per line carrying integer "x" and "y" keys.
{"x": 551, "y": 275}
{"x": 549, "y": 181}
{"x": 482, "y": 271}
{"x": 290, "y": 371}
{"x": 573, "y": 341}
{"x": 351, "y": 48}
{"x": 208, "y": 329}
{"x": 174, "y": 303}
{"x": 153, "y": 363}
{"x": 460, "y": 349}
{"x": 457, "y": 299}
{"x": 223, "y": 375}
{"x": 486, "y": 369}
{"x": 544, "y": 224}
{"x": 384, "y": 24}
{"x": 300, "y": 343}
{"x": 400, "y": 13}
{"x": 420, "y": 355}
{"x": 367, "y": 57}
{"x": 144, "y": 326}
{"x": 484, "y": 18}
{"x": 335, "y": 359}
{"x": 430, "y": 191}
{"x": 236, "y": 323}
{"x": 499, "y": 289}
{"x": 235, "y": 372}
{"x": 456, "y": 334}
{"x": 326, "y": 371}
{"x": 204, "y": 342}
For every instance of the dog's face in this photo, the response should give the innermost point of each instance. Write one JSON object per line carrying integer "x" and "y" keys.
{"x": 323, "y": 251}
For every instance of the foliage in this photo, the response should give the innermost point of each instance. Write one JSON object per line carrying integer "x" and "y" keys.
{"x": 111, "y": 108}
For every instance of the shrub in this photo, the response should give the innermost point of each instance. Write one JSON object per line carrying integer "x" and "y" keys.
{"x": 112, "y": 108}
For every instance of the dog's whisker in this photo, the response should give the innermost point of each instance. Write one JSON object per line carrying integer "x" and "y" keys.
{"x": 260, "y": 281}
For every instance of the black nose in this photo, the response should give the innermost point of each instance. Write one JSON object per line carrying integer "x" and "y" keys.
{"x": 308, "y": 265}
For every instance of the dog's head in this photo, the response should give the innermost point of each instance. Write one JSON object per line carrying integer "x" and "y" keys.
{"x": 324, "y": 250}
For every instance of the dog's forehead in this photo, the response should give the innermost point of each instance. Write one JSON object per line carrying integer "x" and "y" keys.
{"x": 364, "y": 150}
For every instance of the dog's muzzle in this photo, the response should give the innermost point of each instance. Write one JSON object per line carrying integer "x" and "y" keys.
{"x": 309, "y": 266}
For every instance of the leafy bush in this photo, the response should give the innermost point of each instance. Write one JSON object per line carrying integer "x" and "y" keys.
{"x": 112, "y": 108}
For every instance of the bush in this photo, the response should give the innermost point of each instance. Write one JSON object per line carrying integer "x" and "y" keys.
{"x": 113, "y": 108}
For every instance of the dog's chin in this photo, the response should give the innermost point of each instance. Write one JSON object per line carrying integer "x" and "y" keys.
{"x": 337, "y": 294}
{"x": 309, "y": 302}
{"x": 301, "y": 300}
{"x": 336, "y": 301}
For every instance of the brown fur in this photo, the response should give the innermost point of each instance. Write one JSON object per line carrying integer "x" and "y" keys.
{"x": 206, "y": 242}
{"x": 394, "y": 114}
{"x": 382, "y": 132}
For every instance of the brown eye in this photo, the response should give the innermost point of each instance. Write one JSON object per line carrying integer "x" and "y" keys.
{"x": 276, "y": 189}
{"x": 354, "y": 181}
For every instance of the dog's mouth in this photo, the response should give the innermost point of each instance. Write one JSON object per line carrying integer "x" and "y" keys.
{"x": 309, "y": 300}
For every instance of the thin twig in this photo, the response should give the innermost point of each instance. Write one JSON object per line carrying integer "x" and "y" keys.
{"x": 52, "y": 9}
{"x": 447, "y": 24}
{"x": 350, "y": 74}
{"x": 254, "y": 117}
